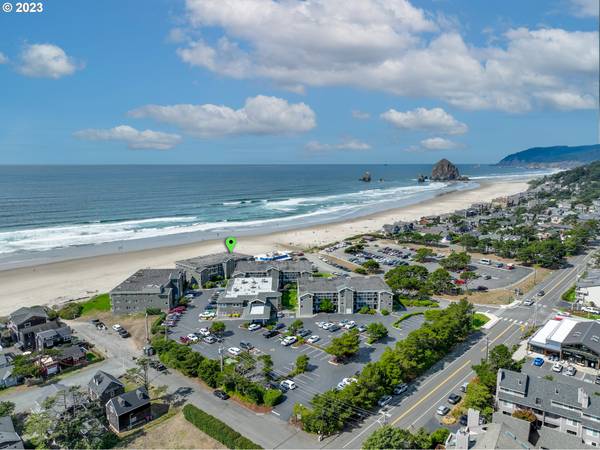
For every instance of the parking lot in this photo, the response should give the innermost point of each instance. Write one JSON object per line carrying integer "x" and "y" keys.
{"x": 586, "y": 374}
{"x": 322, "y": 374}
{"x": 391, "y": 255}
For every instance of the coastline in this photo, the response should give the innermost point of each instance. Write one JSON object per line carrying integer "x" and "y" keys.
{"x": 58, "y": 282}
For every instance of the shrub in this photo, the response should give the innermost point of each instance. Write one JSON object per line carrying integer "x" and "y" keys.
{"x": 153, "y": 311}
{"x": 366, "y": 310}
{"x": 70, "y": 311}
{"x": 406, "y": 316}
{"x": 525, "y": 414}
{"x": 361, "y": 270}
{"x": 272, "y": 397}
{"x": 216, "y": 429}
{"x": 385, "y": 312}
{"x": 157, "y": 324}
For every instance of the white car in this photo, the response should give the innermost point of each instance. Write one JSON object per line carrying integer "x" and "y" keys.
{"x": 254, "y": 327}
{"x": 289, "y": 340}
{"x": 327, "y": 325}
{"x": 206, "y": 315}
{"x": 117, "y": 327}
{"x": 204, "y": 332}
{"x": 571, "y": 371}
{"x": 313, "y": 339}
{"x": 288, "y": 384}
{"x": 234, "y": 351}
{"x": 192, "y": 337}
{"x": 557, "y": 367}
{"x": 591, "y": 310}
{"x": 350, "y": 325}
{"x": 320, "y": 324}
{"x": 442, "y": 410}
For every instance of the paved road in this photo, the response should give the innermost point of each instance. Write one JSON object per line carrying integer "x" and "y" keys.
{"x": 417, "y": 407}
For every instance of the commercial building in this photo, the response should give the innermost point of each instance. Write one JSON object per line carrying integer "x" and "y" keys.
{"x": 570, "y": 408}
{"x": 587, "y": 289}
{"x": 217, "y": 266}
{"x": 573, "y": 339}
{"x": 346, "y": 295}
{"x": 148, "y": 288}
{"x": 286, "y": 272}
{"x": 251, "y": 298}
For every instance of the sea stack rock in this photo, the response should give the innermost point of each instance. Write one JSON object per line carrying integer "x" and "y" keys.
{"x": 444, "y": 170}
{"x": 366, "y": 177}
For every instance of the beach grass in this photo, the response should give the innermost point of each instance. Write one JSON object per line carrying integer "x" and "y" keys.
{"x": 98, "y": 303}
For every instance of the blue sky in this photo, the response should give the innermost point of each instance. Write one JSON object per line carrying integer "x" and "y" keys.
{"x": 259, "y": 81}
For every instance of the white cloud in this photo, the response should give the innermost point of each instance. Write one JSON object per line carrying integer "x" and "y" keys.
{"x": 391, "y": 46}
{"x": 361, "y": 115}
{"x": 435, "y": 119}
{"x": 47, "y": 61}
{"x": 3, "y": 58}
{"x": 438, "y": 143}
{"x": 260, "y": 115}
{"x": 347, "y": 144}
{"x": 135, "y": 139}
{"x": 585, "y": 8}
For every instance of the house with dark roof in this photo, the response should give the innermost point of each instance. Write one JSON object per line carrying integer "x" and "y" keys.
{"x": 569, "y": 408}
{"x": 8, "y": 436}
{"x": 347, "y": 295}
{"x": 27, "y": 336}
{"x": 23, "y": 319}
{"x": 285, "y": 271}
{"x": 71, "y": 356}
{"x": 52, "y": 337}
{"x": 128, "y": 410}
{"x": 148, "y": 288}
{"x": 103, "y": 386}
{"x": 7, "y": 378}
{"x": 218, "y": 266}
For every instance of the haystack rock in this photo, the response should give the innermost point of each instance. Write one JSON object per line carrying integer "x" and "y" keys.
{"x": 444, "y": 170}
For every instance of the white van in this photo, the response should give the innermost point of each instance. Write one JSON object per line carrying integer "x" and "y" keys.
{"x": 485, "y": 261}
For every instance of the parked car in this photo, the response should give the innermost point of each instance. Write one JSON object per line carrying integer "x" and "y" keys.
{"x": 570, "y": 371}
{"x": 333, "y": 327}
{"x": 351, "y": 324}
{"x": 288, "y": 340}
{"x": 487, "y": 276}
{"x": 193, "y": 338}
{"x": 557, "y": 367}
{"x": 287, "y": 385}
{"x": 94, "y": 321}
{"x": 464, "y": 419}
{"x": 538, "y": 361}
{"x": 270, "y": 333}
{"x": 464, "y": 386}
{"x": 234, "y": 351}
{"x": 442, "y": 410}
{"x": 124, "y": 333}
{"x": 541, "y": 293}
{"x": 204, "y": 332}
{"x": 304, "y": 332}
{"x": 320, "y": 324}
{"x": 528, "y": 302}
{"x": 116, "y": 327}
{"x": 209, "y": 339}
{"x": 254, "y": 327}
{"x": 597, "y": 380}
{"x": 384, "y": 400}
{"x": 279, "y": 326}
{"x": 205, "y": 315}
{"x": 453, "y": 398}
{"x": 362, "y": 328}
{"x": 220, "y": 394}
{"x": 158, "y": 366}
{"x": 400, "y": 389}
{"x": 246, "y": 345}
{"x": 482, "y": 288}
{"x": 101, "y": 326}
{"x": 313, "y": 339}
{"x": 184, "y": 340}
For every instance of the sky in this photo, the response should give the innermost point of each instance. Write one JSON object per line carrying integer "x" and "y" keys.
{"x": 289, "y": 81}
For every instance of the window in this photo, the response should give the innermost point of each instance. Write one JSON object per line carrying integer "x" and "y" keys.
{"x": 572, "y": 423}
{"x": 591, "y": 432}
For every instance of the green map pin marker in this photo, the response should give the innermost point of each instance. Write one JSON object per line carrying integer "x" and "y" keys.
{"x": 230, "y": 243}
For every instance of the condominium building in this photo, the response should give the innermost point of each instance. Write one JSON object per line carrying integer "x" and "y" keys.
{"x": 286, "y": 272}
{"x": 568, "y": 407}
{"x": 251, "y": 298}
{"x": 347, "y": 295}
{"x": 217, "y": 266}
{"x": 148, "y": 288}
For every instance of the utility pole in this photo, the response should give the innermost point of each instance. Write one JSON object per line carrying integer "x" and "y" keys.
{"x": 221, "y": 356}
{"x": 146, "y": 326}
{"x": 487, "y": 348}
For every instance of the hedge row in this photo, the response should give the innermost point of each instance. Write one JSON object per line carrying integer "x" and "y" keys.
{"x": 216, "y": 429}
{"x": 406, "y": 316}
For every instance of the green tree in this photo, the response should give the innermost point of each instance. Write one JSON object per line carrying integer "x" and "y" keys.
{"x": 326, "y": 306}
{"x": 407, "y": 278}
{"x": 440, "y": 281}
{"x": 266, "y": 366}
{"x": 468, "y": 276}
{"x": 456, "y": 261}
{"x": 295, "y": 326}
{"x": 217, "y": 328}
{"x": 371, "y": 266}
{"x": 376, "y": 331}
{"x": 361, "y": 270}
{"x": 549, "y": 253}
{"x": 345, "y": 346}
{"x": 389, "y": 437}
{"x": 479, "y": 397}
{"x": 7, "y": 409}
{"x": 301, "y": 364}
{"x": 423, "y": 254}
{"x": 501, "y": 358}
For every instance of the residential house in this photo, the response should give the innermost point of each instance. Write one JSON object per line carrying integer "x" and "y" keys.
{"x": 128, "y": 410}
{"x": 71, "y": 356}
{"x": 53, "y": 337}
{"x": 103, "y": 386}
{"x": 8, "y": 436}
{"x": 23, "y": 319}
{"x": 7, "y": 378}
{"x": 148, "y": 288}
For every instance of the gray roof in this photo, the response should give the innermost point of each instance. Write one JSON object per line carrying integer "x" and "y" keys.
{"x": 200, "y": 262}
{"x": 265, "y": 314}
{"x": 73, "y": 351}
{"x": 551, "y": 438}
{"x": 8, "y": 436}
{"x": 62, "y": 332}
{"x": 501, "y": 436}
{"x": 540, "y": 394}
{"x": 25, "y": 313}
{"x": 129, "y": 401}
{"x": 301, "y": 265}
{"x": 359, "y": 284}
{"x": 147, "y": 280}
{"x": 585, "y": 333}
{"x": 51, "y": 325}
{"x": 591, "y": 279}
{"x": 101, "y": 381}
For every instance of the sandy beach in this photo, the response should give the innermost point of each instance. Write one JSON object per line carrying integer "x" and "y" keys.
{"x": 76, "y": 279}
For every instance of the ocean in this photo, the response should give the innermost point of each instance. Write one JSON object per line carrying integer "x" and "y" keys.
{"x": 79, "y": 210}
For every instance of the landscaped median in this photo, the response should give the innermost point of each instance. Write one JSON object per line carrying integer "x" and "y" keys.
{"x": 216, "y": 429}
{"x": 407, "y": 316}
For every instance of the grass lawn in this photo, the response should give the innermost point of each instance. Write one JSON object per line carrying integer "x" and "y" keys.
{"x": 406, "y": 316}
{"x": 289, "y": 299}
{"x": 479, "y": 320}
{"x": 322, "y": 275}
{"x": 569, "y": 295}
{"x": 98, "y": 303}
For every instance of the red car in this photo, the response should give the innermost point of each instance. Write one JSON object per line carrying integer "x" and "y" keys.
{"x": 184, "y": 339}
{"x": 178, "y": 309}
{"x": 459, "y": 281}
